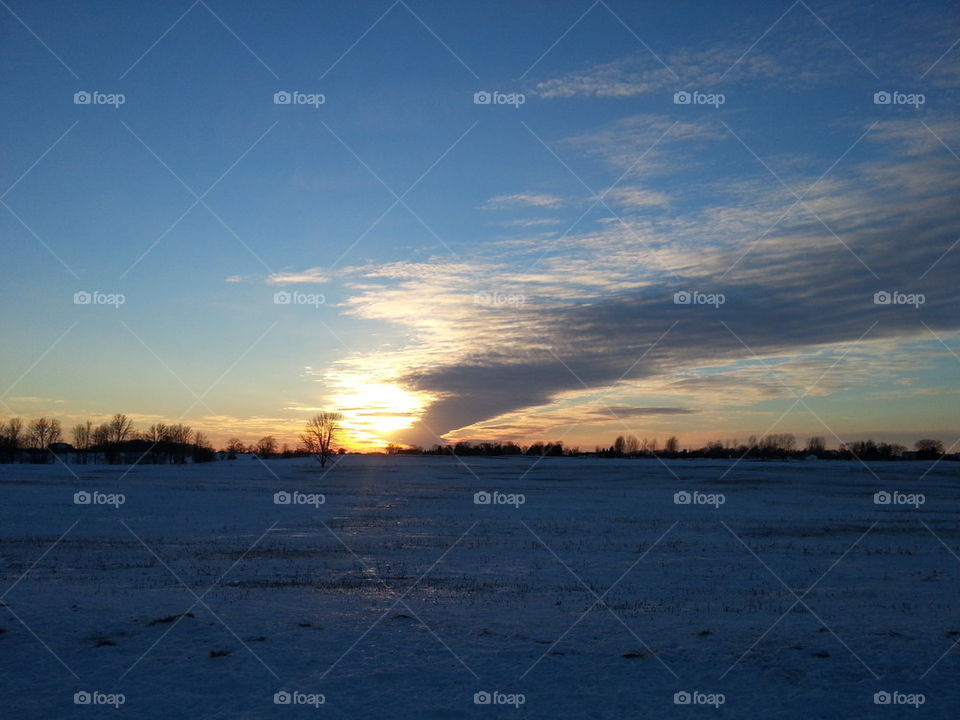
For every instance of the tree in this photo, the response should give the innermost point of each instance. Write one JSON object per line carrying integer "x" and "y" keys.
{"x": 41, "y": 432}
{"x": 235, "y": 446}
{"x": 121, "y": 427}
{"x": 83, "y": 439}
{"x": 816, "y": 445}
{"x": 619, "y": 445}
{"x": 157, "y": 433}
{"x": 10, "y": 439}
{"x": 321, "y": 432}
{"x": 266, "y": 446}
{"x": 928, "y": 449}
{"x": 672, "y": 445}
{"x": 13, "y": 432}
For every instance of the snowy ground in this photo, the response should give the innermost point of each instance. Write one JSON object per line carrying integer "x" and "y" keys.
{"x": 399, "y": 597}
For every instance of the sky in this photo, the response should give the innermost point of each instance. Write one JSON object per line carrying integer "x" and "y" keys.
{"x": 484, "y": 221}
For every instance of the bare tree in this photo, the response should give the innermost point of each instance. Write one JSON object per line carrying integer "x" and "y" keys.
{"x": 321, "y": 432}
{"x": 266, "y": 446}
{"x": 13, "y": 432}
{"x": 672, "y": 445}
{"x": 158, "y": 432}
{"x": 41, "y": 432}
{"x": 928, "y": 449}
{"x": 235, "y": 445}
{"x": 101, "y": 434}
{"x": 619, "y": 445}
{"x": 816, "y": 445}
{"x": 83, "y": 439}
{"x": 10, "y": 439}
{"x": 121, "y": 427}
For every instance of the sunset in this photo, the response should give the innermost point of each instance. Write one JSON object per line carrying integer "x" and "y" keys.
{"x": 391, "y": 255}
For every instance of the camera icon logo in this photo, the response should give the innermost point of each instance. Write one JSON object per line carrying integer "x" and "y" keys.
{"x": 282, "y": 98}
{"x": 882, "y": 98}
{"x": 482, "y": 698}
{"x": 82, "y": 297}
{"x": 882, "y": 297}
{"x": 282, "y": 498}
{"x": 82, "y": 698}
{"x": 82, "y": 498}
{"x": 682, "y": 498}
{"x": 482, "y": 97}
{"x": 282, "y": 698}
{"x": 682, "y": 297}
{"x": 482, "y": 498}
{"x": 282, "y": 297}
{"x": 882, "y": 698}
{"x": 882, "y": 498}
{"x": 82, "y": 98}
{"x": 682, "y": 698}
{"x": 682, "y": 97}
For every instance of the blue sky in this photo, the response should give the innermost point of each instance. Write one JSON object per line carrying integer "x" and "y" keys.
{"x": 486, "y": 270}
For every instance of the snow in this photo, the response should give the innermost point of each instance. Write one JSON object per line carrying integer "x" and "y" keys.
{"x": 582, "y": 588}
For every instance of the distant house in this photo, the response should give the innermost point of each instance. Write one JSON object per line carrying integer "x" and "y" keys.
{"x": 60, "y": 448}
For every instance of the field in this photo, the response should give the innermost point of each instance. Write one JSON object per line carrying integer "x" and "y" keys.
{"x": 583, "y": 589}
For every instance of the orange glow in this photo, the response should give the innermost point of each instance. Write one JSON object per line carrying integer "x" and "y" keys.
{"x": 374, "y": 409}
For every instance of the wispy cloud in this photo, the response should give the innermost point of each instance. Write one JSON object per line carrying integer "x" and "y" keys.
{"x": 538, "y": 200}
{"x": 314, "y": 275}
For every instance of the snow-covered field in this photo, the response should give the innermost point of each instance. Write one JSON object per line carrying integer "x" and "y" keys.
{"x": 401, "y": 597}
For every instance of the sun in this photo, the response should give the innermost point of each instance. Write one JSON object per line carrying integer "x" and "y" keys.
{"x": 374, "y": 409}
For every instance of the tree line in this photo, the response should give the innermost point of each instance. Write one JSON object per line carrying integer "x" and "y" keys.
{"x": 464, "y": 448}
{"x": 41, "y": 440}
{"x": 117, "y": 440}
{"x": 774, "y": 446}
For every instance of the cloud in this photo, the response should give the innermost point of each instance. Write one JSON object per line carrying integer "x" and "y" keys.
{"x": 539, "y": 200}
{"x": 534, "y": 222}
{"x": 636, "y": 197}
{"x": 598, "y": 322}
{"x": 314, "y": 275}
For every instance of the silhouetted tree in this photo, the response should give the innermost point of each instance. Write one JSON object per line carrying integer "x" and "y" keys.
{"x": 321, "y": 432}
{"x": 121, "y": 428}
{"x": 266, "y": 446}
{"x": 928, "y": 449}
